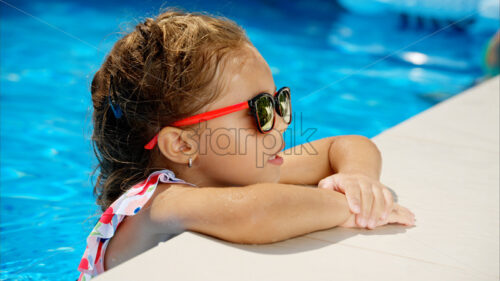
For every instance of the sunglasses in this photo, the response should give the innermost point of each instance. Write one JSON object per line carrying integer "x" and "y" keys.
{"x": 262, "y": 107}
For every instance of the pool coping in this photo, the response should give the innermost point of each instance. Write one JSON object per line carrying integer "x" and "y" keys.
{"x": 443, "y": 164}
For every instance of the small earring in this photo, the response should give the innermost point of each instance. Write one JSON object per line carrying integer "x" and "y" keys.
{"x": 190, "y": 162}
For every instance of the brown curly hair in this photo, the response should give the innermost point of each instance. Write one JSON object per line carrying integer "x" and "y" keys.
{"x": 166, "y": 69}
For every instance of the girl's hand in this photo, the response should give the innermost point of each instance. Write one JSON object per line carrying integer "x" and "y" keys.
{"x": 399, "y": 215}
{"x": 370, "y": 200}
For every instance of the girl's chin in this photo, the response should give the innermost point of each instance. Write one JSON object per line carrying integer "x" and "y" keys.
{"x": 274, "y": 176}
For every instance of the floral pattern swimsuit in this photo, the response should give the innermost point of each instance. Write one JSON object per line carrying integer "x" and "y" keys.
{"x": 128, "y": 204}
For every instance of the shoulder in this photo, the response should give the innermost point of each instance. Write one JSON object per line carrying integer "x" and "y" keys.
{"x": 142, "y": 231}
{"x": 161, "y": 212}
{"x": 160, "y": 203}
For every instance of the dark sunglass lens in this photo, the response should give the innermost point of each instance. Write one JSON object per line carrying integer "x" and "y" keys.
{"x": 285, "y": 105}
{"x": 265, "y": 113}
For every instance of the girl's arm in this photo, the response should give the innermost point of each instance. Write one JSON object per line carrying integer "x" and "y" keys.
{"x": 311, "y": 162}
{"x": 347, "y": 164}
{"x": 255, "y": 214}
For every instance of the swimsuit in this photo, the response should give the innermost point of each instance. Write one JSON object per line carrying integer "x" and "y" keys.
{"x": 128, "y": 204}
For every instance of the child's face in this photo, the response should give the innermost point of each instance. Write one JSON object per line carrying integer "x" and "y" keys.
{"x": 231, "y": 149}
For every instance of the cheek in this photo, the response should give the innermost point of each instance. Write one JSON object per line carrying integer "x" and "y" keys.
{"x": 270, "y": 143}
{"x": 239, "y": 156}
{"x": 233, "y": 148}
{"x": 223, "y": 142}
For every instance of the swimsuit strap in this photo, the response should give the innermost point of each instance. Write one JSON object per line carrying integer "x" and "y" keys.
{"x": 128, "y": 204}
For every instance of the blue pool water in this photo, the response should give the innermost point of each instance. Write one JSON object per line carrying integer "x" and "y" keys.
{"x": 331, "y": 59}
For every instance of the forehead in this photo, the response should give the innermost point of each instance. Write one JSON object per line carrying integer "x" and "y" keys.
{"x": 245, "y": 75}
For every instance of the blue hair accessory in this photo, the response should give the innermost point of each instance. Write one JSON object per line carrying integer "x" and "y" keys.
{"x": 117, "y": 111}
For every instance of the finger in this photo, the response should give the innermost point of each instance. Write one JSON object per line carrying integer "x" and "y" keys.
{"x": 353, "y": 194}
{"x": 339, "y": 183}
{"x": 377, "y": 208}
{"x": 409, "y": 217}
{"x": 366, "y": 204}
{"x": 358, "y": 221}
{"x": 401, "y": 215}
{"x": 389, "y": 203}
{"x": 326, "y": 183}
{"x": 394, "y": 215}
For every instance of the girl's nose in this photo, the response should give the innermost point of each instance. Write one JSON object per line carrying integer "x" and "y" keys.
{"x": 280, "y": 124}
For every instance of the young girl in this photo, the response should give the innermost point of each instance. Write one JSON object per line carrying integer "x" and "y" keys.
{"x": 188, "y": 127}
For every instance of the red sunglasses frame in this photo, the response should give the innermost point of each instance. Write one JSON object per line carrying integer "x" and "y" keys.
{"x": 198, "y": 118}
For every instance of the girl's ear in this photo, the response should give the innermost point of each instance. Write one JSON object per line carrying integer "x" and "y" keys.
{"x": 178, "y": 145}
